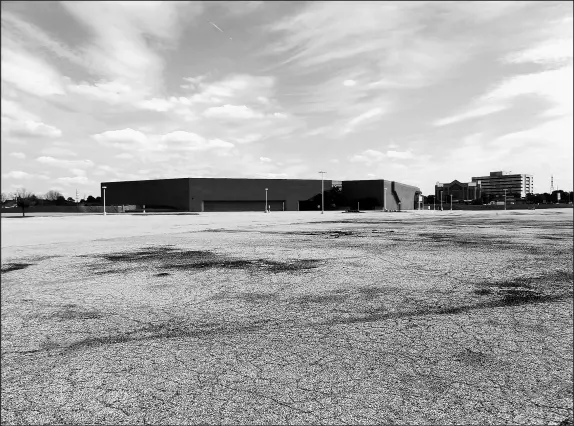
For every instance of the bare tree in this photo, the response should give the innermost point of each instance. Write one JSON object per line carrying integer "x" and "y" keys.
{"x": 52, "y": 195}
{"x": 4, "y": 197}
{"x": 24, "y": 199}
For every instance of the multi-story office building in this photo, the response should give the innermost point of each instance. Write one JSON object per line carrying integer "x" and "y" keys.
{"x": 497, "y": 182}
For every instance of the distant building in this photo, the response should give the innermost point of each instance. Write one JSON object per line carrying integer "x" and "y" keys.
{"x": 233, "y": 195}
{"x": 497, "y": 182}
{"x": 460, "y": 191}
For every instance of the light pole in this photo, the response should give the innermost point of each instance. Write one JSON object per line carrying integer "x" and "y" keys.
{"x": 451, "y": 202}
{"x": 266, "y": 211}
{"x": 104, "y": 188}
{"x": 322, "y": 193}
{"x": 505, "y": 198}
{"x": 441, "y": 201}
{"x": 385, "y": 199}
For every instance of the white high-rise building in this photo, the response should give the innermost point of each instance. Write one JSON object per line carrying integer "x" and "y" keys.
{"x": 497, "y": 182}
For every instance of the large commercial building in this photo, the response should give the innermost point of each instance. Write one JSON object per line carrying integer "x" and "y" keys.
{"x": 460, "y": 191}
{"x": 385, "y": 194}
{"x": 497, "y": 182}
{"x": 222, "y": 194}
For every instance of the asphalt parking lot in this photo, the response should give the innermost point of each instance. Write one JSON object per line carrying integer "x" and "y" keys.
{"x": 288, "y": 318}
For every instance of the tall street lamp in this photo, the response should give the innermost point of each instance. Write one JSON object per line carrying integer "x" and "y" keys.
{"x": 322, "y": 193}
{"x": 451, "y": 202}
{"x": 266, "y": 211}
{"x": 104, "y": 188}
{"x": 441, "y": 201}
{"x": 505, "y": 198}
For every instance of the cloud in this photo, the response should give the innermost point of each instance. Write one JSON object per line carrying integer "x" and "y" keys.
{"x": 57, "y": 151}
{"x": 156, "y": 104}
{"x": 194, "y": 142}
{"x": 128, "y": 139}
{"x": 19, "y": 155}
{"x": 66, "y": 164}
{"x": 265, "y": 159}
{"x": 239, "y": 87}
{"x": 126, "y": 37}
{"x": 29, "y": 128}
{"x": 125, "y": 156}
{"x": 324, "y": 33}
{"x": 232, "y": 111}
{"x": 368, "y": 156}
{"x": 237, "y": 92}
{"x": 366, "y": 116}
{"x": 248, "y": 138}
{"x": 104, "y": 170}
{"x": 349, "y": 83}
{"x": 29, "y": 73}
{"x": 401, "y": 155}
{"x": 556, "y": 51}
{"x": 112, "y": 92}
{"x": 12, "y": 109}
{"x": 238, "y": 8}
{"x": 554, "y": 85}
{"x": 33, "y": 37}
{"x": 74, "y": 180}
{"x": 480, "y": 111}
{"x": 17, "y": 174}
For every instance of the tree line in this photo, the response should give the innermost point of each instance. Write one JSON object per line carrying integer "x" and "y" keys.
{"x": 25, "y": 199}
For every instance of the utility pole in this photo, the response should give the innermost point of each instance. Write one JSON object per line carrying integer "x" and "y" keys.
{"x": 322, "y": 193}
{"x": 505, "y": 198}
{"x": 451, "y": 202}
{"x": 441, "y": 201}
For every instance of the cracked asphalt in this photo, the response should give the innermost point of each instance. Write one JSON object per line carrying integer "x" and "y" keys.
{"x": 288, "y": 318}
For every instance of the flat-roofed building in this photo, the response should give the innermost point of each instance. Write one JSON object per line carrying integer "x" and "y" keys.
{"x": 460, "y": 191}
{"x": 497, "y": 182}
{"x": 234, "y": 195}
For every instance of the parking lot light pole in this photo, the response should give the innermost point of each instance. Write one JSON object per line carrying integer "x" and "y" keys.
{"x": 441, "y": 201}
{"x": 451, "y": 202}
{"x": 322, "y": 193}
{"x": 266, "y": 211}
{"x": 104, "y": 188}
{"x": 385, "y": 199}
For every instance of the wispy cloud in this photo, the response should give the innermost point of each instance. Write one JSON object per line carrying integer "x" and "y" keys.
{"x": 362, "y": 118}
{"x": 18, "y": 174}
{"x": 232, "y": 111}
{"x": 28, "y": 128}
{"x": 30, "y": 74}
{"x": 66, "y": 164}
{"x": 473, "y": 113}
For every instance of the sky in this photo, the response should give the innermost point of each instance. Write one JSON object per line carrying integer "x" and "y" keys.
{"x": 416, "y": 92}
